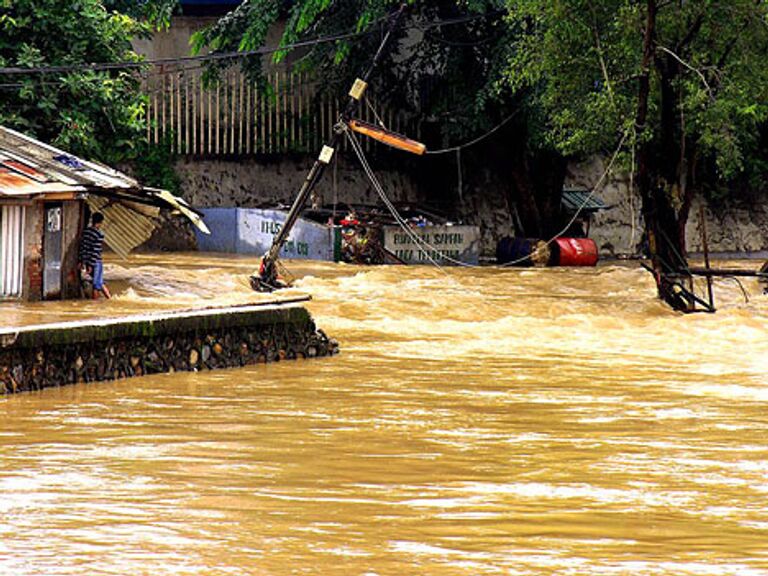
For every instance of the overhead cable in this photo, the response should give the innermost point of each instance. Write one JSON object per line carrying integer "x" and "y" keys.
{"x": 218, "y": 56}
{"x": 478, "y": 139}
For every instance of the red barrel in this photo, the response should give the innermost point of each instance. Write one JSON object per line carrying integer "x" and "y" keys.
{"x": 576, "y": 252}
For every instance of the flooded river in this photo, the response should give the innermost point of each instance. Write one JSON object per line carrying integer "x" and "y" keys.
{"x": 476, "y": 422}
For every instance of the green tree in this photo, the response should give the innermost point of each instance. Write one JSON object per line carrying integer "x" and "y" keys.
{"x": 443, "y": 68}
{"x": 97, "y": 113}
{"x": 682, "y": 82}
{"x": 155, "y": 12}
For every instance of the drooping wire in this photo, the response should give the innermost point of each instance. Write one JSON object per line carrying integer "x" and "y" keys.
{"x": 584, "y": 203}
{"x": 427, "y": 248}
{"x": 740, "y": 285}
{"x": 380, "y": 191}
{"x": 479, "y": 138}
{"x": 215, "y": 56}
{"x": 421, "y": 242}
{"x": 374, "y": 112}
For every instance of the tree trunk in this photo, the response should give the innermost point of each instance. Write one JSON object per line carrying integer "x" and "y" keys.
{"x": 656, "y": 176}
{"x": 524, "y": 193}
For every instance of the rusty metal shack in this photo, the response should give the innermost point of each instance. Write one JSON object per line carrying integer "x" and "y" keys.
{"x": 45, "y": 197}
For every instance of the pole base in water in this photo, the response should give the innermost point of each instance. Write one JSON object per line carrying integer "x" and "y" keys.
{"x": 260, "y": 284}
{"x": 266, "y": 279}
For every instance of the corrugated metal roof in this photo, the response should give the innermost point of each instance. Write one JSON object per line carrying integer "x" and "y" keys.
{"x": 29, "y": 167}
{"x": 575, "y": 199}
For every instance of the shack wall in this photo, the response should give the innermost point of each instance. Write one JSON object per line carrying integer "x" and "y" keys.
{"x": 73, "y": 226}
{"x": 32, "y": 285}
{"x": 34, "y": 249}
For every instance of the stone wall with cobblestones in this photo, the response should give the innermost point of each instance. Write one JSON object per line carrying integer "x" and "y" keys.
{"x": 33, "y": 358}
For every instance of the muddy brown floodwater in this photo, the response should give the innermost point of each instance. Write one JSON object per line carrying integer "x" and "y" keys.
{"x": 477, "y": 422}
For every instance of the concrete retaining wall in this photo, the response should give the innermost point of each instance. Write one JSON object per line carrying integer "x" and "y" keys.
{"x": 36, "y": 357}
{"x": 253, "y": 183}
{"x": 738, "y": 224}
{"x": 735, "y": 225}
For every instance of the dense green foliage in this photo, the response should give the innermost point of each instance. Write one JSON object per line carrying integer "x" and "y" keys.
{"x": 576, "y": 63}
{"x": 153, "y": 165}
{"x": 582, "y": 59}
{"x": 99, "y": 114}
{"x": 157, "y": 13}
{"x": 444, "y": 68}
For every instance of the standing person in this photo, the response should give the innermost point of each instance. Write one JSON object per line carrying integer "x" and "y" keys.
{"x": 90, "y": 254}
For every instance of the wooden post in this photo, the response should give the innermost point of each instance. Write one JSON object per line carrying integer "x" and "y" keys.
{"x": 162, "y": 100}
{"x": 241, "y": 115}
{"x": 171, "y": 111}
{"x": 248, "y": 117}
{"x": 233, "y": 111}
{"x": 156, "y": 127}
{"x": 287, "y": 111}
{"x": 179, "y": 117}
{"x": 209, "y": 119}
{"x": 278, "y": 118}
{"x": 292, "y": 115}
{"x": 299, "y": 117}
{"x": 195, "y": 112}
{"x": 263, "y": 122}
{"x": 148, "y": 89}
{"x": 218, "y": 116}
{"x": 705, "y": 246}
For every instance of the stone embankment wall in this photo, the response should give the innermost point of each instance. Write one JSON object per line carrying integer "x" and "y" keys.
{"x": 732, "y": 225}
{"x": 252, "y": 183}
{"x": 260, "y": 183}
{"x": 33, "y": 358}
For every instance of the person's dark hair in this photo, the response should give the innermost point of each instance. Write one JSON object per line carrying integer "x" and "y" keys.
{"x": 97, "y": 218}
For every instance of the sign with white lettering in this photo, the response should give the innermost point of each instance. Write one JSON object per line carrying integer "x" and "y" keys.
{"x": 444, "y": 244}
{"x": 252, "y": 230}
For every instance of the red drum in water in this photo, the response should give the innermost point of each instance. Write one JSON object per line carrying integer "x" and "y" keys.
{"x": 577, "y": 252}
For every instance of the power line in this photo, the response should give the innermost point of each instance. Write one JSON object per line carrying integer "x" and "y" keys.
{"x": 127, "y": 65}
{"x": 219, "y": 56}
{"x": 479, "y": 138}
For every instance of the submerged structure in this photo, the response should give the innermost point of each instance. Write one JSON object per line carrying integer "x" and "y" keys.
{"x": 46, "y": 195}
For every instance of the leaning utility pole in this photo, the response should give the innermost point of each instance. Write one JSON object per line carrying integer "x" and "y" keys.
{"x": 266, "y": 278}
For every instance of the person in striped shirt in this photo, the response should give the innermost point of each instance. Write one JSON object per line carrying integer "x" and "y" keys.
{"x": 90, "y": 254}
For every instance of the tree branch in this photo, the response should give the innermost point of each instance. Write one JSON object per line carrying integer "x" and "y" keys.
{"x": 692, "y": 68}
{"x": 601, "y": 58}
{"x": 691, "y": 34}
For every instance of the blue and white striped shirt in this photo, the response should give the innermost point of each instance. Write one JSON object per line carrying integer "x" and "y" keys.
{"x": 91, "y": 245}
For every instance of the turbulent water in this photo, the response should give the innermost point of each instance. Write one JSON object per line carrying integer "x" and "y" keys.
{"x": 477, "y": 422}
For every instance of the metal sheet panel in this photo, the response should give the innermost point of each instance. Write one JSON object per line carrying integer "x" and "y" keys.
{"x": 53, "y": 236}
{"x": 11, "y": 250}
{"x": 124, "y": 228}
{"x": 584, "y": 200}
{"x": 50, "y": 168}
